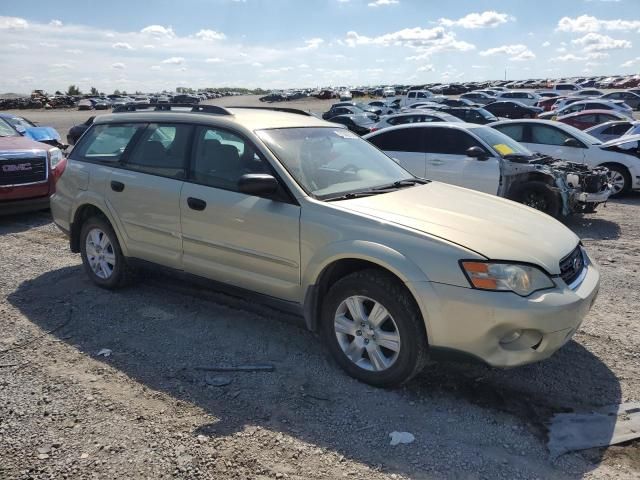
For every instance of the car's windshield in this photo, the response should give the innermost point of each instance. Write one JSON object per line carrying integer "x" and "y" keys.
{"x": 6, "y": 130}
{"x": 331, "y": 161}
{"x": 500, "y": 142}
{"x": 486, "y": 114}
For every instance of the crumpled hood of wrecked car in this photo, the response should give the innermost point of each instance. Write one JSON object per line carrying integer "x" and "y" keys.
{"x": 496, "y": 228}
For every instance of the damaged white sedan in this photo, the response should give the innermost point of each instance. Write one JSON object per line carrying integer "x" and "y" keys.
{"x": 481, "y": 158}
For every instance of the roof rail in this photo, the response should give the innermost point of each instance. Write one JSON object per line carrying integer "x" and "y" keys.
{"x": 296, "y": 111}
{"x": 168, "y": 107}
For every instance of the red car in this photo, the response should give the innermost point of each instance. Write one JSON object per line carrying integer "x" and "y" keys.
{"x": 547, "y": 103}
{"x": 590, "y": 118}
{"x": 28, "y": 172}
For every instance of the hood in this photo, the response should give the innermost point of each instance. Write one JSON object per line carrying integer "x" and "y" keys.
{"x": 42, "y": 134}
{"x": 496, "y": 228}
{"x": 21, "y": 143}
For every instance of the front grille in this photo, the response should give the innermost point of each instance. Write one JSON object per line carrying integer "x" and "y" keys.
{"x": 571, "y": 266}
{"x": 20, "y": 171}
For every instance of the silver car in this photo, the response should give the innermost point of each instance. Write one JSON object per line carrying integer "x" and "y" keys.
{"x": 387, "y": 267}
{"x": 418, "y": 116}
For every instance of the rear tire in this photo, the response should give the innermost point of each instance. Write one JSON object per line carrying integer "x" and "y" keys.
{"x": 384, "y": 344}
{"x": 102, "y": 256}
{"x": 540, "y": 196}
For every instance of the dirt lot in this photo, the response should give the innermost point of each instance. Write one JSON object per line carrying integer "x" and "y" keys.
{"x": 146, "y": 411}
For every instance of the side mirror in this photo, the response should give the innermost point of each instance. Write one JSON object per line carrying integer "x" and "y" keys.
{"x": 477, "y": 153}
{"x": 572, "y": 142}
{"x": 258, "y": 184}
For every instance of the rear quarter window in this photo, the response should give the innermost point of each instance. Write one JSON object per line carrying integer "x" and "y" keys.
{"x": 106, "y": 142}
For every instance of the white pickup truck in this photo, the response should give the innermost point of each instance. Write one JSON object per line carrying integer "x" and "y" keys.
{"x": 414, "y": 96}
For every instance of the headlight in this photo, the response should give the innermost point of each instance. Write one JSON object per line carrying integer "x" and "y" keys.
{"x": 520, "y": 279}
{"x": 55, "y": 157}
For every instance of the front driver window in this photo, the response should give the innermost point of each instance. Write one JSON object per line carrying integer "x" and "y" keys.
{"x": 222, "y": 157}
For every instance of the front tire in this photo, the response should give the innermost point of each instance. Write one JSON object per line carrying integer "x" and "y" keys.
{"x": 101, "y": 254}
{"x": 374, "y": 329}
{"x": 620, "y": 180}
{"x": 540, "y": 196}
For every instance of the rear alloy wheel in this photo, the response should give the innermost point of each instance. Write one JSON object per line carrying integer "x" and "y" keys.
{"x": 101, "y": 254}
{"x": 374, "y": 329}
{"x": 620, "y": 180}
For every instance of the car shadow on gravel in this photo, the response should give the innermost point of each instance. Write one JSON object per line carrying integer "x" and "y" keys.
{"x": 467, "y": 417}
{"x": 23, "y": 221}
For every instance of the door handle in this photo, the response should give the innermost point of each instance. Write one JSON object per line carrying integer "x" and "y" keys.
{"x": 117, "y": 186}
{"x": 196, "y": 204}
{"x": 436, "y": 162}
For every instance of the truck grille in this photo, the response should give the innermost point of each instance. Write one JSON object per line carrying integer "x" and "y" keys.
{"x": 21, "y": 171}
{"x": 571, "y": 266}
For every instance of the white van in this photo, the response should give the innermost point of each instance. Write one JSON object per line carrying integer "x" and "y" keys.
{"x": 414, "y": 96}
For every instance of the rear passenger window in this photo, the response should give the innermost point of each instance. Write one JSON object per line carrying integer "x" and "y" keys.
{"x": 162, "y": 150}
{"x": 222, "y": 157}
{"x": 514, "y": 131}
{"x": 449, "y": 141}
{"x": 546, "y": 135}
{"x": 401, "y": 140}
{"x": 617, "y": 129}
{"x": 106, "y": 143}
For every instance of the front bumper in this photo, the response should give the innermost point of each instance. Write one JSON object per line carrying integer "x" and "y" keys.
{"x": 476, "y": 323}
{"x": 13, "y": 207}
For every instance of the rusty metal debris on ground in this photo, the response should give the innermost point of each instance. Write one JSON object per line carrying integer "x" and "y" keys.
{"x": 602, "y": 427}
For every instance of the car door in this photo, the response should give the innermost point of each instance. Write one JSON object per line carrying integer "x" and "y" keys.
{"x": 447, "y": 160}
{"x": 145, "y": 192}
{"x": 550, "y": 140}
{"x": 406, "y": 146}
{"x": 232, "y": 237}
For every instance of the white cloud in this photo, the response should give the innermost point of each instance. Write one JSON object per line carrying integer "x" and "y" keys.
{"x": 158, "y": 31}
{"x": 426, "y": 68}
{"x": 517, "y": 53}
{"x": 312, "y": 44}
{"x": 256, "y": 64}
{"x": 425, "y": 41}
{"x": 546, "y": 44}
{"x": 595, "y": 42}
{"x": 174, "y": 60}
{"x": 61, "y": 66}
{"x": 13, "y": 23}
{"x": 631, "y": 63}
{"x": 156, "y": 67}
{"x": 210, "y": 35}
{"x": 118, "y": 66}
{"x": 478, "y": 20}
{"x": 588, "y": 23}
{"x": 18, "y": 46}
{"x": 380, "y": 3}
{"x": 55, "y": 23}
{"x": 213, "y": 60}
{"x": 48, "y": 45}
{"x": 74, "y": 51}
{"x": 122, "y": 46}
{"x": 569, "y": 57}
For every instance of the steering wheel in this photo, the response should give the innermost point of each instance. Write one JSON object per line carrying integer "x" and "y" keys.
{"x": 349, "y": 166}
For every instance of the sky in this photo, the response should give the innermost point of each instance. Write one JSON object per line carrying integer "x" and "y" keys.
{"x": 160, "y": 44}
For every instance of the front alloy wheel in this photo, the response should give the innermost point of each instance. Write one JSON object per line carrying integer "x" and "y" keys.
{"x": 366, "y": 333}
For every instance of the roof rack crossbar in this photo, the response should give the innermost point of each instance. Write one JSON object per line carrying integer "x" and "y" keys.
{"x": 167, "y": 107}
{"x": 296, "y": 111}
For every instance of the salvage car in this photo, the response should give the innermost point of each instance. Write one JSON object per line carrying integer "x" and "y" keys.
{"x": 483, "y": 159}
{"x": 28, "y": 172}
{"x": 590, "y": 118}
{"x": 26, "y": 128}
{"x": 613, "y": 130}
{"x": 76, "y": 131}
{"x": 413, "y": 117}
{"x": 569, "y": 143}
{"x": 629, "y": 98}
{"x": 512, "y": 109}
{"x": 470, "y": 115}
{"x": 592, "y": 104}
{"x": 360, "y": 123}
{"x": 292, "y": 210}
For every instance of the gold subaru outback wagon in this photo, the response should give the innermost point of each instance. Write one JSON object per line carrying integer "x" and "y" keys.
{"x": 388, "y": 267}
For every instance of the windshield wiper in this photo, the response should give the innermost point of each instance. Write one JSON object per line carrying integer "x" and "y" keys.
{"x": 351, "y": 195}
{"x": 410, "y": 182}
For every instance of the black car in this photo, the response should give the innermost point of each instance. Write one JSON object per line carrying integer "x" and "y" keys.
{"x": 76, "y": 131}
{"x": 511, "y": 109}
{"x": 336, "y": 110}
{"x": 459, "y": 102}
{"x": 470, "y": 114}
{"x": 451, "y": 89}
{"x": 360, "y": 123}
{"x": 186, "y": 99}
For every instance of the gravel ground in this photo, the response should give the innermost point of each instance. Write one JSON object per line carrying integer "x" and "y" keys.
{"x": 146, "y": 411}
